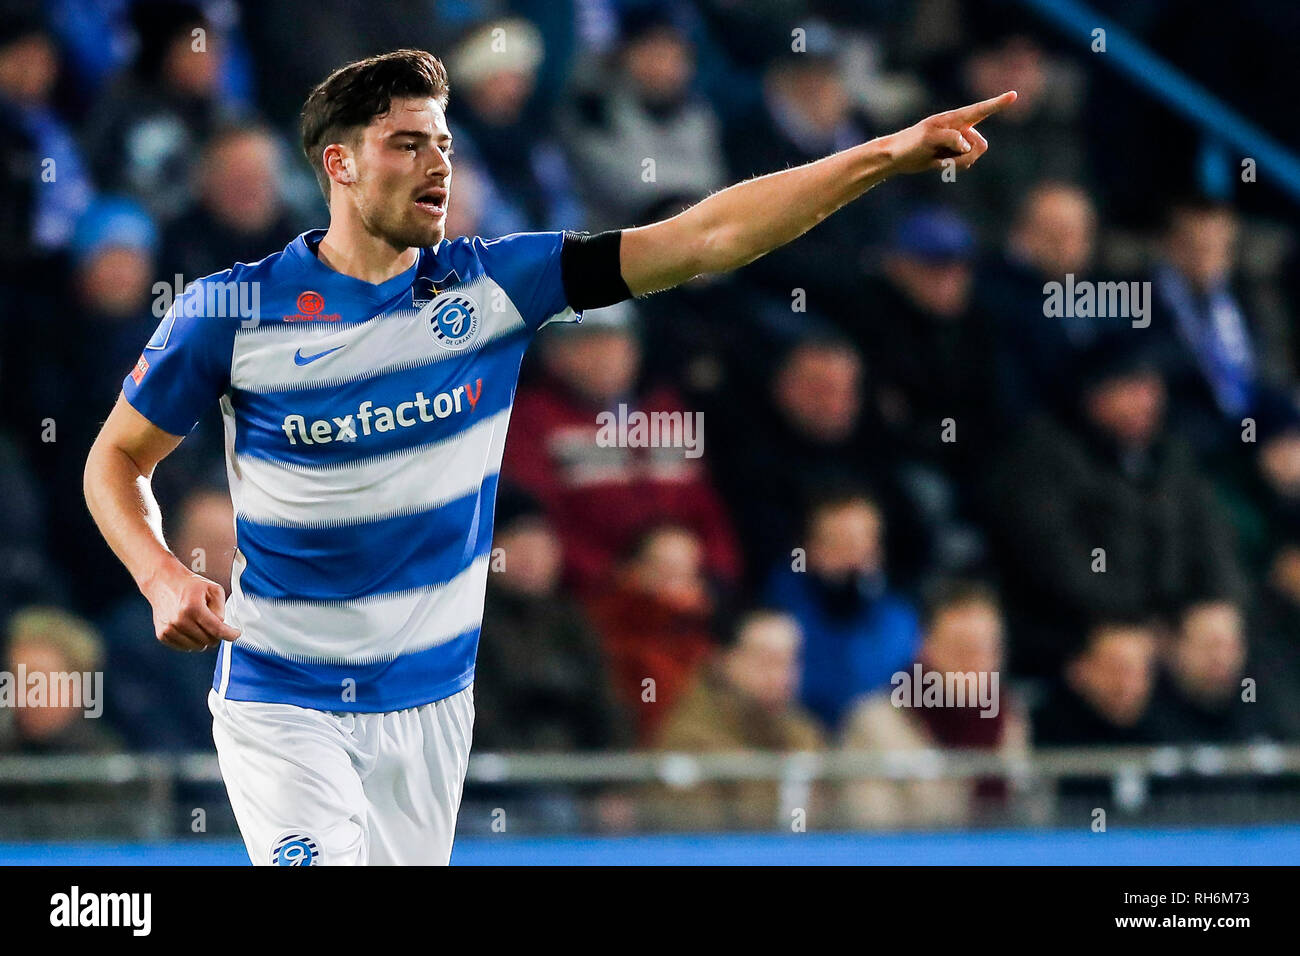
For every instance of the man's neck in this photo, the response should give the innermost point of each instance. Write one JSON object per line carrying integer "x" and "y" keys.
{"x": 357, "y": 253}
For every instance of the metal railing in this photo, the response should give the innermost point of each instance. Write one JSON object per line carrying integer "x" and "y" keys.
{"x": 153, "y": 794}
{"x": 688, "y": 769}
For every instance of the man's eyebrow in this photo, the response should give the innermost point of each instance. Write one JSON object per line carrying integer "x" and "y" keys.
{"x": 418, "y": 134}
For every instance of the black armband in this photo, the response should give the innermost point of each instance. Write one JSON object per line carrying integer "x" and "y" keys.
{"x": 590, "y": 269}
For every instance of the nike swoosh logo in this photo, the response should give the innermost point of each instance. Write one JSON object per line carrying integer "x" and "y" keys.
{"x": 300, "y": 359}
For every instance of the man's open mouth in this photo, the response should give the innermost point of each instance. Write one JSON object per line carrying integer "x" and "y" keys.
{"x": 433, "y": 201}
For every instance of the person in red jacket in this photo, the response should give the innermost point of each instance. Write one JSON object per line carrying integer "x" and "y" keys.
{"x": 656, "y": 624}
{"x": 601, "y": 486}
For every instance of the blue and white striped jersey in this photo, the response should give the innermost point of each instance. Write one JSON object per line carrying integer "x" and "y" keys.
{"x": 364, "y": 428}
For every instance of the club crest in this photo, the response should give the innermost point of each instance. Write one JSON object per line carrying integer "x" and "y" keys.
{"x": 452, "y": 319}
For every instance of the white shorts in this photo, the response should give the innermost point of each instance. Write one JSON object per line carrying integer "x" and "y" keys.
{"x": 314, "y": 787}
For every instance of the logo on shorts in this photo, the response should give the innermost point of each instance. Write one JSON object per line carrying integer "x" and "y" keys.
{"x": 453, "y": 320}
{"x": 295, "y": 849}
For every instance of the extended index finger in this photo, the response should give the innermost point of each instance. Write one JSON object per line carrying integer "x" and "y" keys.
{"x": 977, "y": 112}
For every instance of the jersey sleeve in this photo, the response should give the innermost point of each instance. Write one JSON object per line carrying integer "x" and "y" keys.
{"x": 528, "y": 267}
{"x": 185, "y": 367}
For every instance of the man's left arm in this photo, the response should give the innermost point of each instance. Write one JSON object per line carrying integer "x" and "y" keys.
{"x": 734, "y": 227}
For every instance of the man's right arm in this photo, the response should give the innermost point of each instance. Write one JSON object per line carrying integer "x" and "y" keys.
{"x": 187, "y": 608}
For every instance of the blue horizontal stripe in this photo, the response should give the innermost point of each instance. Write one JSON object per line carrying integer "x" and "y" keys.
{"x": 348, "y": 562}
{"x": 260, "y": 416}
{"x": 407, "y": 681}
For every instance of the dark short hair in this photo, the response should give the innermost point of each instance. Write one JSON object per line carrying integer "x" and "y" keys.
{"x": 832, "y": 496}
{"x": 352, "y": 96}
{"x": 731, "y": 621}
{"x": 1194, "y": 205}
{"x": 636, "y": 547}
{"x": 1096, "y": 628}
{"x": 947, "y": 593}
{"x": 819, "y": 340}
{"x": 1186, "y": 608}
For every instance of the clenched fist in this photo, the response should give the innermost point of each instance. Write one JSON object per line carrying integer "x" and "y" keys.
{"x": 188, "y": 610}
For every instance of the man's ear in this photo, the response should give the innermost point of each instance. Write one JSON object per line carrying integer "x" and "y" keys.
{"x": 339, "y": 164}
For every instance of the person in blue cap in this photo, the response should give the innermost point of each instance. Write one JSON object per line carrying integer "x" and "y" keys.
{"x": 68, "y": 358}
{"x": 929, "y": 356}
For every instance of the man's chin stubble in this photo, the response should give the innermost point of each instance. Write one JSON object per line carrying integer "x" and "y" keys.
{"x": 415, "y": 237}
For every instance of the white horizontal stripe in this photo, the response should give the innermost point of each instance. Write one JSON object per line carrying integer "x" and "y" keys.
{"x": 263, "y": 359}
{"x": 366, "y": 631}
{"x": 415, "y": 479}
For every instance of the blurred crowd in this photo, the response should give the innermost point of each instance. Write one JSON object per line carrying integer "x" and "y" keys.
{"x": 908, "y": 457}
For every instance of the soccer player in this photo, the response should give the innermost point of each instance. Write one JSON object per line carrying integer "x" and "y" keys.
{"x": 365, "y": 375}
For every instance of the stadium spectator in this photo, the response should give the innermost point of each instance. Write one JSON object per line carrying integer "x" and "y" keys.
{"x": 743, "y": 699}
{"x": 47, "y": 647}
{"x": 1259, "y": 482}
{"x": 644, "y": 112}
{"x": 1039, "y": 140}
{"x": 1105, "y": 516}
{"x": 1211, "y": 351}
{"x": 146, "y": 133}
{"x": 159, "y": 701}
{"x": 1200, "y": 698}
{"x": 1274, "y": 654}
{"x": 931, "y": 359}
{"x": 51, "y": 648}
{"x": 1103, "y": 695}
{"x": 805, "y": 113}
{"x": 927, "y": 350}
{"x": 599, "y": 490}
{"x": 857, "y": 631}
{"x": 44, "y": 185}
{"x": 108, "y": 298}
{"x": 813, "y": 430}
{"x": 963, "y": 636}
{"x": 240, "y": 214}
{"x": 541, "y": 682}
{"x": 27, "y": 573}
{"x": 1053, "y": 235}
{"x": 656, "y": 624}
{"x": 96, "y": 40}
{"x": 499, "y": 124}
